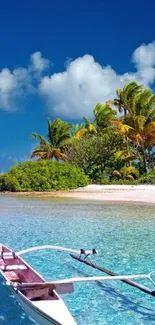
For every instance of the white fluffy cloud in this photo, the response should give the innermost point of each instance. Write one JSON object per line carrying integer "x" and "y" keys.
{"x": 144, "y": 56}
{"x": 144, "y": 59}
{"x": 15, "y": 84}
{"x": 38, "y": 62}
{"x": 74, "y": 92}
{"x": 8, "y": 86}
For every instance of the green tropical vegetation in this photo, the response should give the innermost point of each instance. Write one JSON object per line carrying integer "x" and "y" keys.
{"x": 117, "y": 146}
{"x": 42, "y": 175}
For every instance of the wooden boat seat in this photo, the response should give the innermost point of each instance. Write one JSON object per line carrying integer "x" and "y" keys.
{"x": 7, "y": 255}
{"x": 12, "y": 276}
{"x": 36, "y": 293}
{"x": 13, "y": 267}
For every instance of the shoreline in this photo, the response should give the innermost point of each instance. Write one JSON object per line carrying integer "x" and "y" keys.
{"x": 115, "y": 193}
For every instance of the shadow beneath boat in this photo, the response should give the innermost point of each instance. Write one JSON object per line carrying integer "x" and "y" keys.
{"x": 124, "y": 300}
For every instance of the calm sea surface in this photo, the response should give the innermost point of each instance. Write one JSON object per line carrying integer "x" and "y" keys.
{"x": 123, "y": 233}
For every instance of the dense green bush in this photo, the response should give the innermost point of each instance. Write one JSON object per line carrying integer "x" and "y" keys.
{"x": 148, "y": 178}
{"x": 42, "y": 176}
{"x": 9, "y": 183}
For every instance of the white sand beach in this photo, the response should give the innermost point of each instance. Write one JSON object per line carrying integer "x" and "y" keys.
{"x": 131, "y": 193}
{"x": 134, "y": 193}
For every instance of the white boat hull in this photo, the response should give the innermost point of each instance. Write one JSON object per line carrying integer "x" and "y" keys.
{"x": 40, "y": 316}
{"x": 37, "y": 316}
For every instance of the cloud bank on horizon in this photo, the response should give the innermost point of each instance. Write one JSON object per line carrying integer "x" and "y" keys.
{"x": 73, "y": 93}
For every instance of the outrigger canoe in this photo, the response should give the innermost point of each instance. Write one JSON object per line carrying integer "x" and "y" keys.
{"x": 40, "y": 299}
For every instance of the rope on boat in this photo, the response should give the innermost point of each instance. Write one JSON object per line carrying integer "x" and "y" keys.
{"x": 58, "y": 248}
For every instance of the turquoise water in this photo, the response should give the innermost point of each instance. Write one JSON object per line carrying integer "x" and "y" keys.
{"x": 123, "y": 233}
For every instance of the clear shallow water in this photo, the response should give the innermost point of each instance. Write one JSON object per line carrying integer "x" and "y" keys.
{"x": 123, "y": 233}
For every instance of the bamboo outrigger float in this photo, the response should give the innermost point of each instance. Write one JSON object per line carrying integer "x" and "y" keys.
{"x": 41, "y": 299}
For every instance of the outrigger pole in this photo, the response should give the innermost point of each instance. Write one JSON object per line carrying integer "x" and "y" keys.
{"x": 126, "y": 280}
{"x": 82, "y": 279}
{"x": 58, "y": 248}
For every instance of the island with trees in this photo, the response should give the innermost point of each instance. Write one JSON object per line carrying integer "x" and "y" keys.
{"x": 115, "y": 147}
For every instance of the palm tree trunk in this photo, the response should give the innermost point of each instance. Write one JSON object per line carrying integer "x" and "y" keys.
{"x": 150, "y": 158}
{"x": 144, "y": 158}
{"x": 127, "y": 146}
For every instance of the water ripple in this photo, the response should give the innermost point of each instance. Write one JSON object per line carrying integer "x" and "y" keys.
{"x": 123, "y": 233}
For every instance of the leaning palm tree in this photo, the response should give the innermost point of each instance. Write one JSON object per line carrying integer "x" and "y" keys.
{"x": 58, "y": 133}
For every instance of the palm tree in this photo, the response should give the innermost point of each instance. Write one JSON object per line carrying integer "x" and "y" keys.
{"x": 143, "y": 135}
{"x": 123, "y": 130}
{"x": 87, "y": 127}
{"x": 141, "y": 119}
{"x": 58, "y": 133}
{"x": 125, "y": 95}
{"x": 103, "y": 115}
{"x": 138, "y": 107}
{"x": 150, "y": 141}
{"x": 143, "y": 104}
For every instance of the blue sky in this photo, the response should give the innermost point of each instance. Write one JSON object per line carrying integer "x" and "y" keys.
{"x": 59, "y": 58}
